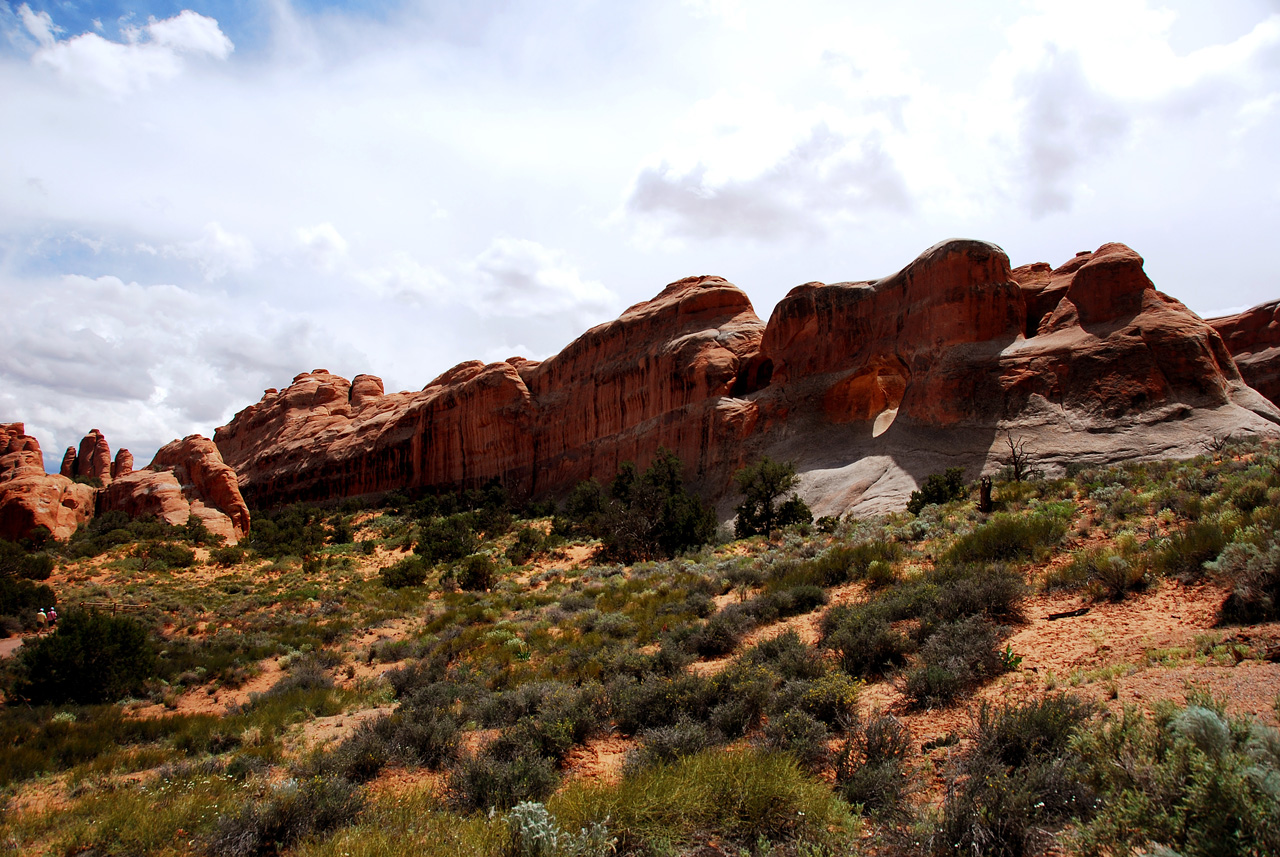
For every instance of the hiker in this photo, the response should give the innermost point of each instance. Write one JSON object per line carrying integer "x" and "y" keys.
{"x": 42, "y": 621}
{"x": 53, "y": 617}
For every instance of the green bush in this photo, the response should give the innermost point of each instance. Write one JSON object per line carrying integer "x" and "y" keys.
{"x": 744, "y": 798}
{"x": 476, "y": 573}
{"x": 528, "y": 544}
{"x": 292, "y": 812}
{"x": 1008, "y": 537}
{"x": 800, "y": 735}
{"x": 1017, "y": 782}
{"x": 90, "y": 657}
{"x": 937, "y": 489}
{"x": 226, "y": 557}
{"x": 870, "y": 765}
{"x": 1254, "y": 576}
{"x": 158, "y": 556}
{"x": 863, "y": 640}
{"x": 1192, "y": 781}
{"x": 498, "y": 778}
{"x": 763, "y": 509}
{"x": 448, "y": 539}
{"x": 1185, "y": 553}
{"x": 410, "y": 571}
{"x": 17, "y": 563}
{"x": 957, "y": 658}
{"x": 663, "y": 744}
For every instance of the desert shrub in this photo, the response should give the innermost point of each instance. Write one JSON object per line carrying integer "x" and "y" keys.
{"x": 1192, "y": 781}
{"x": 410, "y": 571}
{"x": 534, "y": 833}
{"x": 1109, "y": 573}
{"x": 1008, "y": 537}
{"x": 447, "y": 539}
{"x": 870, "y": 765}
{"x": 1254, "y": 575}
{"x": 291, "y": 812}
{"x": 296, "y": 530}
{"x": 20, "y": 597}
{"x": 1250, "y": 495}
{"x": 799, "y": 734}
{"x": 829, "y": 698}
{"x": 164, "y": 555}
{"x": 1018, "y": 780}
{"x": 226, "y": 557}
{"x": 306, "y": 673}
{"x": 745, "y": 798}
{"x": 720, "y": 635}
{"x": 863, "y": 640}
{"x": 528, "y": 544}
{"x": 788, "y": 656}
{"x": 842, "y": 563}
{"x": 641, "y": 516}
{"x": 937, "y": 489}
{"x": 114, "y": 528}
{"x": 17, "y": 563}
{"x": 957, "y": 658}
{"x": 763, "y": 509}
{"x": 1184, "y": 553}
{"x": 658, "y": 701}
{"x": 90, "y": 657}
{"x": 662, "y": 744}
{"x": 426, "y": 737}
{"x": 476, "y": 573}
{"x": 499, "y": 777}
{"x": 881, "y": 574}
{"x": 954, "y": 592}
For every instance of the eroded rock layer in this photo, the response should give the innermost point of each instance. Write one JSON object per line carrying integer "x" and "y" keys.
{"x": 1253, "y": 338}
{"x": 187, "y": 477}
{"x": 659, "y": 375}
{"x": 31, "y": 498}
{"x": 867, "y": 386}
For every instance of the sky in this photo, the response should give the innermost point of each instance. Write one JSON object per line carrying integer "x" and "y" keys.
{"x": 199, "y": 200}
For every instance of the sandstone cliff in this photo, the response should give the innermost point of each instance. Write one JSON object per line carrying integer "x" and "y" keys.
{"x": 659, "y": 375}
{"x": 868, "y": 386}
{"x": 1253, "y": 338}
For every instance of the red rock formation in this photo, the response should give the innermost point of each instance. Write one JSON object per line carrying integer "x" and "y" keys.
{"x": 867, "y": 386}
{"x": 29, "y": 497}
{"x": 123, "y": 465}
{"x": 94, "y": 459}
{"x": 1253, "y": 338}
{"x": 658, "y": 375}
{"x": 187, "y": 477}
{"x": 68, "y": 468}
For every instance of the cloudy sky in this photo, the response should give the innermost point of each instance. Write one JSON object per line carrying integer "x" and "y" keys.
{"x": 200, "y": 199}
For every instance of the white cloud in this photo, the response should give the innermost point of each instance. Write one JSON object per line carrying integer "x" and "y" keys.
{"x": 324, "y": 246}
{"x": 217, "y": 252}
{"x": 519, "y": 278}
{"x": 39, "y": 24}
{"x": 143, "y": 363}
{"x": 151, "y": 52}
